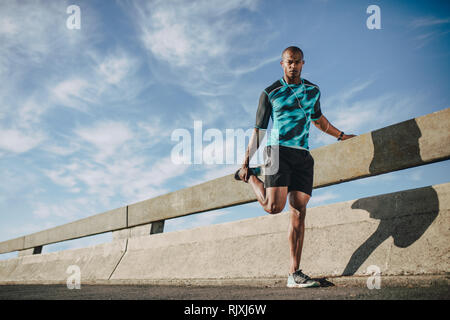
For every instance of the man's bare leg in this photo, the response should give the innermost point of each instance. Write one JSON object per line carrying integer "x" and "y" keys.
{"x": 272, "y": 199}
{"x": 297, "y": 205}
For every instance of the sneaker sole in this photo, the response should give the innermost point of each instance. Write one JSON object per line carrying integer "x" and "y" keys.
{"x": 303, "y": 285}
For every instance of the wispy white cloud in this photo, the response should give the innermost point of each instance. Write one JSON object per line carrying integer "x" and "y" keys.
{"x": 15, "y": 184}
{"x": 66, "y": 210}
{"x": 106, "y": 137}
{"x": 433, "y": 28}
{"x": 253, "y": 68}
{"x": 8, "y": 27}
{"x": 428, "y": 21}
{"x": 61, "y": 150}
{"x": 102, "y": 81}
{"x": 154, "y": 131}
{"x": 16, "y": 141}
{"x": 59, "y": 177}
{"x": 110, "y": 164}
{"x": 197, "y": 39}
{"x": 27, "y": 30}
{"x": 190, "y": 33}
{"x": 114, "y": 69}
{"x": 73, "y": 93}
{"x": 19, "y": 124}
{"x": 116, "y": 75}
{"x": 350, "y": 112}
{"x": 424, "y": 39}
{"x": 33, "y": 34}
{"x": 349, "y": 93}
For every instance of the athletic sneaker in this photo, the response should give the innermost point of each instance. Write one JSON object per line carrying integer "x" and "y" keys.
{"x": 300, "y": 280}
{"x": 251, "y": 171}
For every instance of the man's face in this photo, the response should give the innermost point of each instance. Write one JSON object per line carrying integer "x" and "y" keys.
{"x": 292, "y": 64}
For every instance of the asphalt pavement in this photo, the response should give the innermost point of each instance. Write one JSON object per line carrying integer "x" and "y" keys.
{"x": 221, "y": 302}
{"x": 438, "y": 291}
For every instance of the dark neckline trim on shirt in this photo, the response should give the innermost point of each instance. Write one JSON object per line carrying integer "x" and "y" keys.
{"x": 283, "y": 82}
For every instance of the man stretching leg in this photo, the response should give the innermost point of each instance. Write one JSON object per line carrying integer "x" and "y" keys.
{"x": 292, "y": 102}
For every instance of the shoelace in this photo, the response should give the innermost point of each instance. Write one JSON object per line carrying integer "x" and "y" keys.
{"x": 302, "y": 275}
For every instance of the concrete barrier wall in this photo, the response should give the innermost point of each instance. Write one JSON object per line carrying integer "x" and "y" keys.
{"x": 402, "y": 233}
{"x": 96, "y": 263}
{"x": 405, "y": 232}
{"x": 410, "y": 143}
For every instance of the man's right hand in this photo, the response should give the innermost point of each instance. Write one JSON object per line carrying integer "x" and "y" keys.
{"x": 243, "y": 174}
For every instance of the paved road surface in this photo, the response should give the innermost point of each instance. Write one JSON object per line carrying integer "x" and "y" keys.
{"x": 153, "y": 292}
{"x": 216, "y": 302}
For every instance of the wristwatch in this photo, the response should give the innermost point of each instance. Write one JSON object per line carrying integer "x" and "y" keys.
{"x": 340, "y": 136}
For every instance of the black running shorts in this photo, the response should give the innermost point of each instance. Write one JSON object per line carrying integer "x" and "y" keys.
{"x": 295, "y": 168}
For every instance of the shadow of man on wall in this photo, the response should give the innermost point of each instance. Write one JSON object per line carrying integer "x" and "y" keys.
{"x": 406, "y": 215}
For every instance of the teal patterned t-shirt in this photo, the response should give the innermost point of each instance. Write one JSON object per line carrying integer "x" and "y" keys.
{"x": 292, "y": 107}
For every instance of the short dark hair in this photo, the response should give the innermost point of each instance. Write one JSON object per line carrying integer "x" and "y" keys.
{"x": 292, "y": 49}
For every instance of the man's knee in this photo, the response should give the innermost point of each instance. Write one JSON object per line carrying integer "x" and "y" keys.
{"x": 273, "y": 208}
{"x": 299, "y": 213}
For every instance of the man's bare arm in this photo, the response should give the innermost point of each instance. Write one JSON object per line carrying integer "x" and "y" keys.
{"x": 324, "y": 125}
{"x": 253, "y": 146}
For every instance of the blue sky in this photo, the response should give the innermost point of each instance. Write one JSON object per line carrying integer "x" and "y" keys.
{"x": 86, "y": 116}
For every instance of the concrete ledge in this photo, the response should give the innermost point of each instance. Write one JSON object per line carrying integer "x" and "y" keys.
{"x": 100, "y": 223}
{"x": 31, "y": 251}
{"x": 95, "y": 263}
{"x": 12, "y": 245}
{"x": 104, "y": 222}
{"x": 402, "y": 145}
